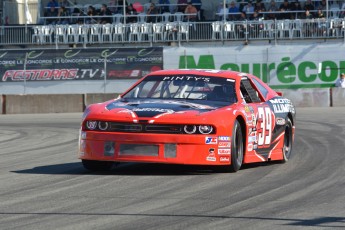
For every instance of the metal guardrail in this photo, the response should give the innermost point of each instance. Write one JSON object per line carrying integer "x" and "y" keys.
{"x": 151, "y": 33}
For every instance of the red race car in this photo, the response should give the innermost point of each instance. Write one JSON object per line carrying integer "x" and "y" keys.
{"x": 195, "y": 117}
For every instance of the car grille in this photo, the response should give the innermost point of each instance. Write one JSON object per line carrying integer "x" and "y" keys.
{"x": 144, "y": 128}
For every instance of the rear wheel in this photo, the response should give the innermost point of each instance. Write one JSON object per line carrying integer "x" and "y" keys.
{"x": 236, "y": 147}
{"x": 97, "y": 165}
{"x": 287, "y": 141}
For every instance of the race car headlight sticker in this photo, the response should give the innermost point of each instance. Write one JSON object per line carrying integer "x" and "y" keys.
{"x": 92, "y": 125}
{"x": 190, "y": 129}
{"x": 205, "y": 129}
{"x": 102, "y": 125}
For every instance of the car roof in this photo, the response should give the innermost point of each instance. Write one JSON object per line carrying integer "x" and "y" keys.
{"x": 202, "y": 72}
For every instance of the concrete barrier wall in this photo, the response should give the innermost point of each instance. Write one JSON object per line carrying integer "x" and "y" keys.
{"x": 308, "y": 97}
{"x": 97, "y": 98}
{"x": 21, "y": 104}
{"x": 1, "y": 104}
{"x": 57, "y": 103}
{"x": 338, "y": 97}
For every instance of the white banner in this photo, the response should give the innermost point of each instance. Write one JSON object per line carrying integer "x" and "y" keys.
{"x": 288, "y": 66}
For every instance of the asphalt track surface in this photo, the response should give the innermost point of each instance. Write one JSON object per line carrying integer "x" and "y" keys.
{"x": 44, "y": 186}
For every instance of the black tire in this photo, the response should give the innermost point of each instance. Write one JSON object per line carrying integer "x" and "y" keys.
{"x": 95, "y": 166}
{"x": 236, "y": 147}
{"x": 287, "y": 148}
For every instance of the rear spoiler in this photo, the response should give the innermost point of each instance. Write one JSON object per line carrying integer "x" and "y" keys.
{"x": 279, "y": 93}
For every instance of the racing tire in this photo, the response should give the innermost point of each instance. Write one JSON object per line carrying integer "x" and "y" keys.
{"x": 97, "y": 166}
{"x": 287, "y": 148}
{"x": 236, "y": 147}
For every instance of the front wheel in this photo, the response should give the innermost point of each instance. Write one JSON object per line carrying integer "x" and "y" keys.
{"x": 236, "y": 147}
{"x": 287, "y": 148}
{"x": 97, "y": 165}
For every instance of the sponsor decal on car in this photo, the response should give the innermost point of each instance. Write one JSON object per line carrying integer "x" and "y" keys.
{"x": 224, "y": 151}
{"x": 211, "y": 140}
{"x": 280, "y": 121}
{"x": 250, "y": 147}
{"x": 224, "y": 159}
{"x": 224, "y": 138}
{"x": 224, "y": 144}
{"x": 170, "y": 111}
{"x": 281, "y": 105}
{"x": 211, "y": 156}
{"x": 251, "y": 139}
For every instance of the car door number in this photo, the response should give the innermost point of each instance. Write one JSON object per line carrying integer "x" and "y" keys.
{"x": 264, "y": 126}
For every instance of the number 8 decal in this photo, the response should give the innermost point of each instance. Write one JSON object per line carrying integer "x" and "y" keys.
{"x": 265, "y": 126}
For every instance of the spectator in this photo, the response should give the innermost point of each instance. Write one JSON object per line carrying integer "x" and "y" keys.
{"x": 64, "y": 3}
{"x": 233, "y": 11}
{"x": 112, "y": 6}
{"x": 342, "y": 11}
{"x": 198, "y": 5}
{"x": 153, "y": 10}
{"x": 164, "y": 6}
{"x": 91, "y": 11}
{"x": 259, "y": 6}
{"x": 309, "y": 25}
{"x": 309, "y": 6}
{"x": 105, "y": 12}
{"x": 322, "y": 23}
{"x": 255, "y": 27}
{"x": 52, "y": 3}
{"x": 181, "y": 5}
{"x": 322, "y": 5}
{"x": 120, "y": 4}
{"x": 320, "y": 14}
{"x": 296, "y": 6}
{"x": 52, "y": 12}
{"x": 248, "y": 9}
{"x": 191, "y": 12}
{"x": 341, "y": 81}
{"x": 131, "y": 14}
{"x": 241, "y": 27}
{"x": 283, "y": 8}
{"x": 63, "y": 13}
{"x": 221, "y": 10}
{"x": 272, "y": 8}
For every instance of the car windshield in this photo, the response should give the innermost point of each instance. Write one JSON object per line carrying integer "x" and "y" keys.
{"x": 188, "y": 87}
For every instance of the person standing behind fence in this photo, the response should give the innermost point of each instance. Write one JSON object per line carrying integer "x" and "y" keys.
{"x": 151, "y": 13}
{"x": 91, "y": 11}
{"x": 233, "y": 11}
{"x": 191, "y": 12}
{"x": 296, "y": 6}
{"x": 164, "y": 6}
{"x": 308, "y": 5}
{"x": 341, "y": 81}
{"x": 285, "y": 6}
{"x": 271, "y": 8}
{"x": 52, "y": 14}
{"x": 105, "y": 12}
{"x": 131, "y": 14}
{"x": 63, "y": 14}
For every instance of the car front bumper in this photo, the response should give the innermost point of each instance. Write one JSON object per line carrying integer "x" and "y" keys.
{"x": 155, "y": 148}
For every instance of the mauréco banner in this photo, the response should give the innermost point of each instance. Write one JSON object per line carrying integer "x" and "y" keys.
{"x": 79, "y": 64}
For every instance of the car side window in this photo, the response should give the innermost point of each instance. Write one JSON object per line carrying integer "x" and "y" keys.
{"x": 260, "y": 87}
{"x": 250, "y": 95}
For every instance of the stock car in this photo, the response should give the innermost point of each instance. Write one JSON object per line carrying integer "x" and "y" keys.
{"x": 194, "y": 117}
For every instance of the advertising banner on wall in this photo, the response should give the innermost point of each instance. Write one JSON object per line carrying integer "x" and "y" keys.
{"x": 79, "y": 64}
{"x": 284, "y": 66}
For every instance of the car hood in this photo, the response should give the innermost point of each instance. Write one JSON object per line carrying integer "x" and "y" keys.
{"x": 155, "y": 108}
